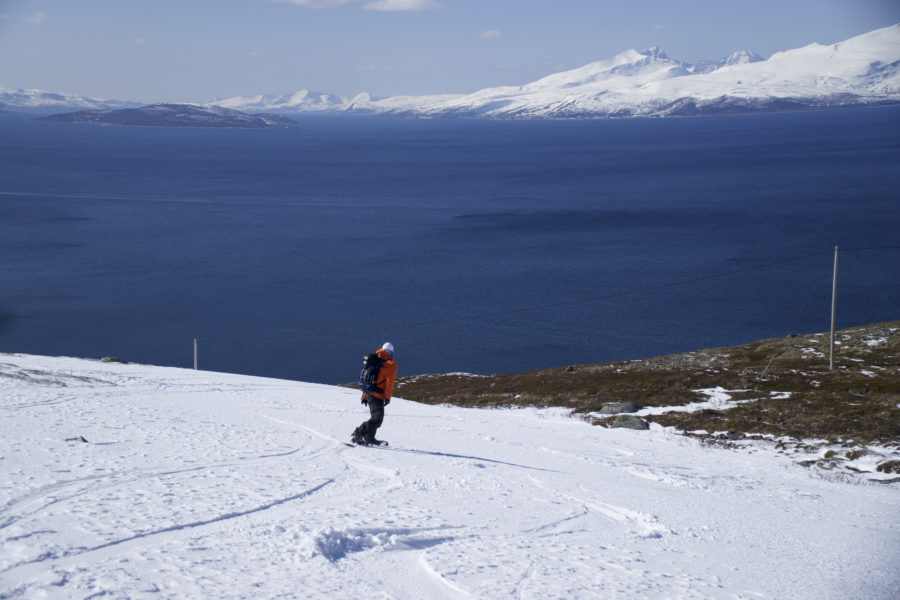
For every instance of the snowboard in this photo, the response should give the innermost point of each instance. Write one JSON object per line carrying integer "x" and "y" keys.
{"x": 383, "y": 444}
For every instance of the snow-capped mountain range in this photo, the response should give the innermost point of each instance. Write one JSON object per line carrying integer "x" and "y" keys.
{"x": 43, "y": 102}
{"x": 301, "y": 101}
{"x": 863, "y": 70}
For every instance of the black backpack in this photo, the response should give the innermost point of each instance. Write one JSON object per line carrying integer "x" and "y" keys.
{"x": 371, "y": 364}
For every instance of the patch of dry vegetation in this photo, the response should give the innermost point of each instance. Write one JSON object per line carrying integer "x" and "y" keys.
{"x": 791, "y": 391}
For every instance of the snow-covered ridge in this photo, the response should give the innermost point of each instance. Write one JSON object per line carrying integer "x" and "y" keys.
{"x": 304, "y": 100}
{"x": 41, "y": 100}
{"x": 862, "y": 70}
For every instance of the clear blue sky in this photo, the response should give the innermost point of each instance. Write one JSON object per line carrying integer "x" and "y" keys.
{"x": 199, "y": 50}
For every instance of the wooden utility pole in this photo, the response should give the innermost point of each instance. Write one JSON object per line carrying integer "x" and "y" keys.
{"x": 833, "y": 298}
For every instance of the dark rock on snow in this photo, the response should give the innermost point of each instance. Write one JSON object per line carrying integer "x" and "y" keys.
{"x": 614, "y": 408}
{"x": 630, "y": 422}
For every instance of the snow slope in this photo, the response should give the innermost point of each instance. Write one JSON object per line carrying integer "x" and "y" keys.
{"x": 206, "y": 485}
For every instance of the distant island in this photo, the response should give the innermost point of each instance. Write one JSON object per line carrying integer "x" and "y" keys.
{"x": 174, "y": 115}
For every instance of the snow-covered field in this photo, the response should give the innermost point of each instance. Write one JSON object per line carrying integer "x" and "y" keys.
{"x": 207, "y": 485}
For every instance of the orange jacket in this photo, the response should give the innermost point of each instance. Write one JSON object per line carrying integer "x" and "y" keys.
{"x": 386, "y": 375}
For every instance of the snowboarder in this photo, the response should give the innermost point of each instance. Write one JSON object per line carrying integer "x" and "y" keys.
{"x": 377, "y": 395}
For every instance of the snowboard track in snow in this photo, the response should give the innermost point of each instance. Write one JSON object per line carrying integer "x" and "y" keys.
{"x": 218, "y": 519}
{"x": 476, "y": 459}
{"x": 45, "y": 496}
{"x": 174, "y": 528}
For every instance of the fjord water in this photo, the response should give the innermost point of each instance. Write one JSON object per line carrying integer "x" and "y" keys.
{"x": 477, "y": 246}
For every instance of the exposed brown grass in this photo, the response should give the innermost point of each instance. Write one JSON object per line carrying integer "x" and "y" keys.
{"x": 858, "y": 400}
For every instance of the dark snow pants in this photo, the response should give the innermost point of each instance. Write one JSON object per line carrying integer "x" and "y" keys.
{"x": 376, "y": 417}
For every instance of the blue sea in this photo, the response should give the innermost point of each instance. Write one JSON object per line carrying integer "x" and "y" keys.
{"x": 477, "y": 246}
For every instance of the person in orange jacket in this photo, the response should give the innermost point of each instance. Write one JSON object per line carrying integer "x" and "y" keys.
{"x": 377, "y": 396}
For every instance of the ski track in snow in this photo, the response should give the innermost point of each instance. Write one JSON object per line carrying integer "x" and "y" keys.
{"x": 195, "y": 484}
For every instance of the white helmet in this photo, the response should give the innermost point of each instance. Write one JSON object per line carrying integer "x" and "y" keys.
{"x": 389, "y": 348}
